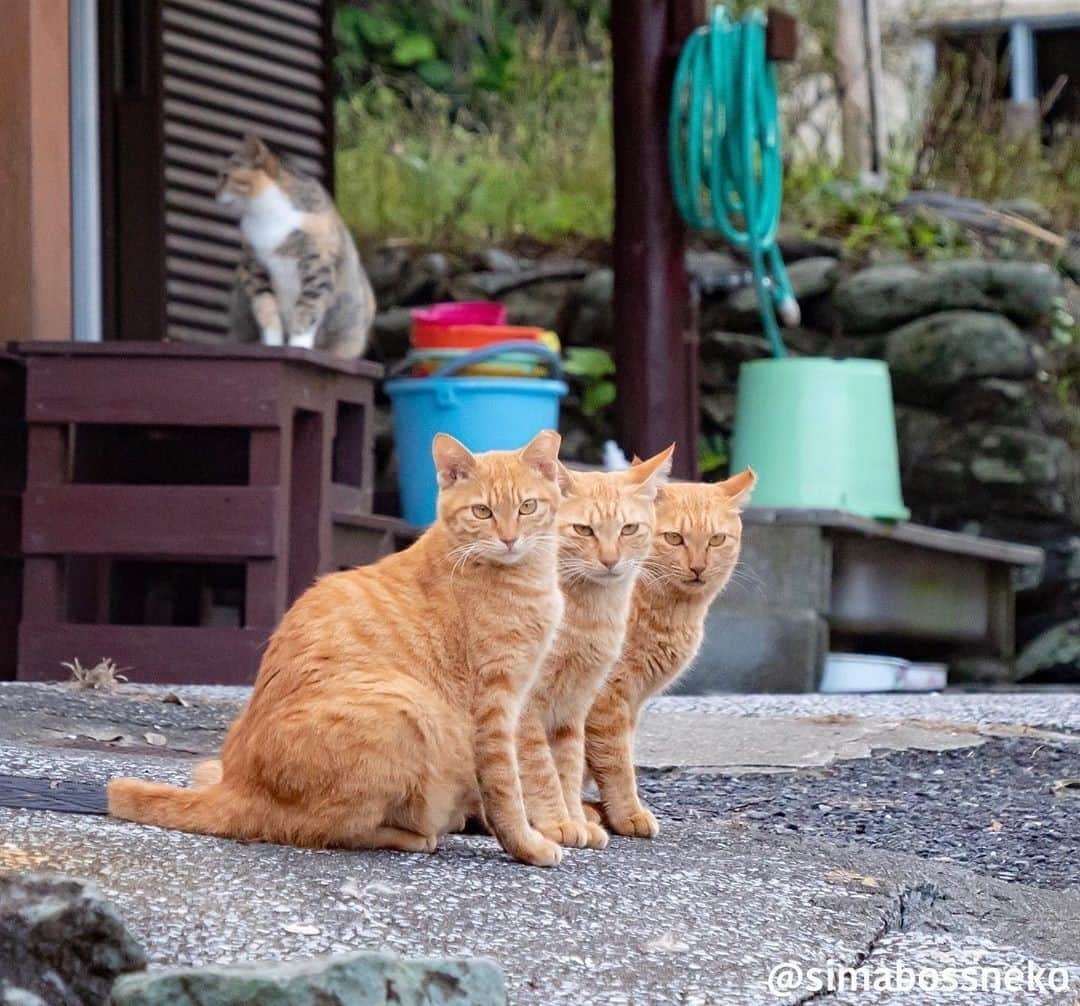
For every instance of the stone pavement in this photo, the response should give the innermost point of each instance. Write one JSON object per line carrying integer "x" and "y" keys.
{"x": 804, "y": 829}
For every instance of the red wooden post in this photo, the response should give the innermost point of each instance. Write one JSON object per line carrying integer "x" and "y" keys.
{"x": 655, "y": 329}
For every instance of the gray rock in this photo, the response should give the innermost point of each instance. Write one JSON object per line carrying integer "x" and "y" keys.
{"x": 715, "y": 272}
{"x": 384, "y": 267}
{"x": 1055, "y": 651}
{"x": 718, "y": 409}
{"x": 12, "y": 996}
{"x": 497, "y": 260}
{"x": 885, "y": 296}
{"x": 1029, "y": 209}
{"x": 540, "y": 305}
{"x": 1070, "y": 257}
{"x": 61, "y": 941}
{"x": 587, "y": 316}
{"x": 423, "y": 280}
{"x": 390, "y": 334}
{"x": 954, "y": 472}
{"x": 927, "y": 357}
{"x": 1029, "y": 405}
{"x": 810, "y": 278}
{"x": 359, "y": 979}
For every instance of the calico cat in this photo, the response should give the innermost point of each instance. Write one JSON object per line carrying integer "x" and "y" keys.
{"x": 605, "y": 524}
{"x": 695, "y": 551}
{"x": 300, "y": 281}
{"x": 390, "y": 693}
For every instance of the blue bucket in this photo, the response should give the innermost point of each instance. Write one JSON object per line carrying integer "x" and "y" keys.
{"x": 484, "y": 413}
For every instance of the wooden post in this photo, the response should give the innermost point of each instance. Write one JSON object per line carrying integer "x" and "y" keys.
{"x": 655, "y": 331}
{"x": 852, "y": 86}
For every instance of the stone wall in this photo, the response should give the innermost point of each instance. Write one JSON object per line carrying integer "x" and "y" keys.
{"x": 986, "y": 388}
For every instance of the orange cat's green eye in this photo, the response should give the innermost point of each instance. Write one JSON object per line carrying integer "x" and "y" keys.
{"x": 673, "y": 537}
{"x": 584, "y": 530}
{"x": 718, "y": 539}
{"x": 481, "y": 511}
{"x": 528, "y": 507}
{"x": 629, "y": 529}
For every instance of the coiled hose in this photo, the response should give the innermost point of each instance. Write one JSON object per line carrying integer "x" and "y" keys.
{"x": 724, "y": 149}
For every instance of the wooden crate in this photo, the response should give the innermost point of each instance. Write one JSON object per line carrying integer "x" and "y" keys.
{"x": 179, "y": 498}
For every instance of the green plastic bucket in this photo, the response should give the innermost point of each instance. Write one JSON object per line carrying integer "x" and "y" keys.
{"x": 821, "y": 434}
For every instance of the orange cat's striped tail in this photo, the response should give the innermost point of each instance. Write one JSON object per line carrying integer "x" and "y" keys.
{"x": 210, "y": 810}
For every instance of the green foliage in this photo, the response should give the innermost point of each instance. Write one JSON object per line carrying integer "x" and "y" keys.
{"x": 713, "y": 453}
{"x": 593, "y": 369}
{"x": 417, "y": 164}
{"x": 452, "y": 46}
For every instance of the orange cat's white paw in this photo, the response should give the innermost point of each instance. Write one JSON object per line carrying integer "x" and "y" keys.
{"x": 598, "y": 837}
{"x": 638, "y": 824}
{"x": 538, "y": 851}
{"x": 573, "y": 834}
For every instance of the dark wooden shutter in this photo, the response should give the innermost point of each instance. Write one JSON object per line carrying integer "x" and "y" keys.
{"x": 223, "y": 67}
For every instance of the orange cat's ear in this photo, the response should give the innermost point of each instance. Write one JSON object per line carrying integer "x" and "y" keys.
{"x": 738, "y": 488}
{"x": 635, "y": 461}
{"x": 567, "y": 485}
{"x": 453, "y": 460}
{"x": 649, "y": 475}
{"x": 542, "y": 454}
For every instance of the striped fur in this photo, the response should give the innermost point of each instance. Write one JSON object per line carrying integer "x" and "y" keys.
{"x": 605, "y": 528}
{"x": 694, "y": 553}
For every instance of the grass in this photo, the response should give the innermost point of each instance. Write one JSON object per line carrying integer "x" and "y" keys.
{"x": 537, "y": 163}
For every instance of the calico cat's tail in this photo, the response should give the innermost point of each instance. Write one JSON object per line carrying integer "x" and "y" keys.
{"x": 210, "y": 810}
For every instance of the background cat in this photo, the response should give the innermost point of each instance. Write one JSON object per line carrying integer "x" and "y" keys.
{"x": 300, "y": 281}
{"x": 605, "y": 524}
{"x": 695, "y": 551}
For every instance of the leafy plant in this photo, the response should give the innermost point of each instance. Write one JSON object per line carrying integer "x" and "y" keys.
{"x": 712, "y": 453}
{"x": 594, "y": 369}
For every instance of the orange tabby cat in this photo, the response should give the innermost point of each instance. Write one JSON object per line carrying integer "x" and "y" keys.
{"x": 390, "y": 692}
{"x": 605, "y": 527}
{"x": 695, "y": 550}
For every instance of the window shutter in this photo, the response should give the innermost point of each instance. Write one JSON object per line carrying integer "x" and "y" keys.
{"x": 228, "y": 66}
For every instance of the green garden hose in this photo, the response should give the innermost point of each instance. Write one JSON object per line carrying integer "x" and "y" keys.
{"x": 724, "y": 148}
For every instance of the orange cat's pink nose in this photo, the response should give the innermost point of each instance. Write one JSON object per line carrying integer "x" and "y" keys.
{"x": 697, "y": 571}
{"x": 509, "y": 543}
{"x": 610, "y": 563}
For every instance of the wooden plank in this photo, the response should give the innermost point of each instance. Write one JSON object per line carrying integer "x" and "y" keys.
{"x": 903, "y": 531}
{"x": 285, "y": 53}
{"x": 154, "y": 654}
{"x": 247, "y": 106}
{"x": 210, "y": 251}
{"x": 240, "y": 81}
{"x": 248, "y": 20}
{"x": 189, "y": 522}
{"x": 143, "y": 391}
{"x": 318, "y": 361}
{"x": 254, "y": 66}
{"x": 176, "y": 108}
{"x": 10, "y": 524}
{"x": 200, "y": 293}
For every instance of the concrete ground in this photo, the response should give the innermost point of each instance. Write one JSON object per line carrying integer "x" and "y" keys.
{"x": 910, "y": 832}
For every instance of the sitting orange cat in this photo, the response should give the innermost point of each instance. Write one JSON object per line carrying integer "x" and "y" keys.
{"x": 389, "y": 692}
{"x": 695, "y": 550}
{"x": 605, "y": 530}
